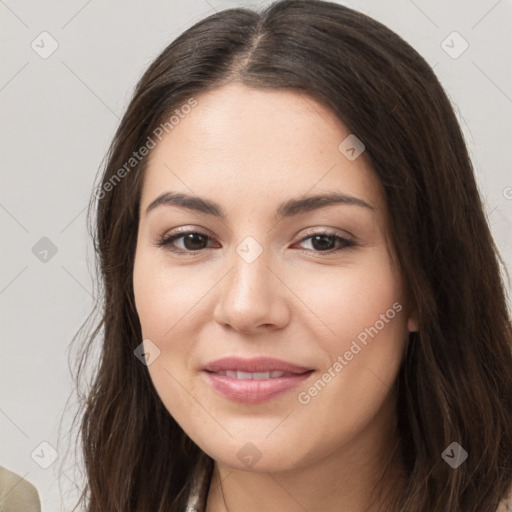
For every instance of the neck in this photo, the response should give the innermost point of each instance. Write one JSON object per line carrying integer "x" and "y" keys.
{"x": 343, "y": 480}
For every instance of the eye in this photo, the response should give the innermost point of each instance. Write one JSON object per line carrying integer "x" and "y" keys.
{"x": 195, "y": 241}
{"x": 187, "y": 242}
{"x": 326, "y": 242}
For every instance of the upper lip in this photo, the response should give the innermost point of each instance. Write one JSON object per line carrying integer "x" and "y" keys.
{"x": 256, "y": 364}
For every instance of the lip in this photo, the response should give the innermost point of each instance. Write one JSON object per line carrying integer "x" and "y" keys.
{"x": 255, "y": 364}
{"x": 254, "y": 390}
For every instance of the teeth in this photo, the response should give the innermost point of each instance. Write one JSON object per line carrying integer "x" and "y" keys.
{"x": 255, "y": 375}
{"x": 261, "y": 375}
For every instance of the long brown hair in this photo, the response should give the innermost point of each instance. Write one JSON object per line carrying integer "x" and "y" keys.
{"x": 455, "y": 382}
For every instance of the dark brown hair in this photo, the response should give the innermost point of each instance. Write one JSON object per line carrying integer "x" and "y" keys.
{"x": 455, "y": 383}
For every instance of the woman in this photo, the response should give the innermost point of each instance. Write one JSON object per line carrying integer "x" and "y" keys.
{"x": 303, "y": 307}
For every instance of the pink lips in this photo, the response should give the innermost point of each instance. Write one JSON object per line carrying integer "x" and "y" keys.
{"x": 254, "y": 380}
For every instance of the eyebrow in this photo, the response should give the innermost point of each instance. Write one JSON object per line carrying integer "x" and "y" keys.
{"x": 289, "y": 208}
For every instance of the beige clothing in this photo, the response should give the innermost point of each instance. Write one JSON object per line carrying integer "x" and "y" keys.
{"x": 16, "y": 494}
{"x": 506, "y": 505}
{"x": 201, "y": 483}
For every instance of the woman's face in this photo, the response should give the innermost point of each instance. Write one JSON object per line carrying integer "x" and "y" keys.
{"x": 269, "y": 274}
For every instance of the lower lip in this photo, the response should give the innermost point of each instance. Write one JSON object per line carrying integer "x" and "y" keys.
{"x": 254, "y": 391}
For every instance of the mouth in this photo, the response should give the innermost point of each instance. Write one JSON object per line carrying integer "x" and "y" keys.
{"x": 254, "y": 365}
{"x": 237, "y": 374}
{"x": 254, "y": 380}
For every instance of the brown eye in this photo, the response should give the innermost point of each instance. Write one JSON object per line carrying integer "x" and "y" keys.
{"x": 190, "y": 241}
{"x": 194, "y": 242}
{"x": 327, "y": 242}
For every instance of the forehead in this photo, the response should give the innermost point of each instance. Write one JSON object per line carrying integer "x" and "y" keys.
{"x": 259, "y": 145}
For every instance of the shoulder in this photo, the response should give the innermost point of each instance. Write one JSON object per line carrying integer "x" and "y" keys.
{"x": 17, "y": 494}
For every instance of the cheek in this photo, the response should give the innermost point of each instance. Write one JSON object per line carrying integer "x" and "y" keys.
{"x": 170, "y": 303}
{"x": 346, "y": 300}
{"x": 166, "y": 304}
{"x": 164, "y": 297}
{"x": 360, "y": 323}
{"x": 352, "y": 394}
{"x": 355, "y": 386}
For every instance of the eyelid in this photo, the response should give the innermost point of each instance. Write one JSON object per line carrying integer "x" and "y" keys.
{"x": 325, "y": 230}
{"x": 347, "y": 242}
{"x": 166, "y": 240}
{"x": 316, "y": 230}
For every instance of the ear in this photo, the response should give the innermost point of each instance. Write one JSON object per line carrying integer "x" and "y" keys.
{"x": 412, "y": 322}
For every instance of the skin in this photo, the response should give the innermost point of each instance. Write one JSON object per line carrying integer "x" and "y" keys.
{"x": 250, "y": 150}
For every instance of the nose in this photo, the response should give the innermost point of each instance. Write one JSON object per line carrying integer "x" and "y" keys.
{"x": 252, "y": 298}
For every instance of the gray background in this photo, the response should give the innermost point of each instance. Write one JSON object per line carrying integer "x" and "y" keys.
{"x": 58, "y": 116}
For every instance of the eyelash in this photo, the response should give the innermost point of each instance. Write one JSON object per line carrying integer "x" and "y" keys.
{"x": 166, "y": 241}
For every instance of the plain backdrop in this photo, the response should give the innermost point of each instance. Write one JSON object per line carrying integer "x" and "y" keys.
{"x": 58, "y": 114}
